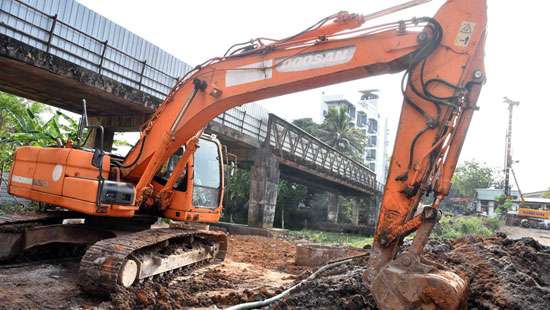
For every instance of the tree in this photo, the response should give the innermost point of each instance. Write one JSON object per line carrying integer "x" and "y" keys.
{"x": 290, "y": 211}
{"x": 338, "y": 132}
{"x": 308, "y": 125}
{"x": 235, "y": 196}
{"x": 472, "y": 175}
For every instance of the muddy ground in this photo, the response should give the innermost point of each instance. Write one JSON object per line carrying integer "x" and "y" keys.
{"x": 503, "y": 274}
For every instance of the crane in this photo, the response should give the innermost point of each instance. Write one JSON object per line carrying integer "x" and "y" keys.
{"x": 175, "y": 171}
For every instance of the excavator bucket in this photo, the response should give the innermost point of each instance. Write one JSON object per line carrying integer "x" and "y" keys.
{"x": 410, "y": 282}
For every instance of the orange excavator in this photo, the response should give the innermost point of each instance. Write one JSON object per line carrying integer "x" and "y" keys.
{"x": 175, "y": 171}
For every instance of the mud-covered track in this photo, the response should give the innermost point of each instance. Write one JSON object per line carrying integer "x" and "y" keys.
{"x": 101, "y": 266}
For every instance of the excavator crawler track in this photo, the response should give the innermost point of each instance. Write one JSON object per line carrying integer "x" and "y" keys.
{"x": 12, "y": 229}
{"x": 14, "y": 220}
{"x": 102, "y": 265}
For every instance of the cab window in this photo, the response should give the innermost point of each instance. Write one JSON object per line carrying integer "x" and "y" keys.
{"x": 207, "y": 175}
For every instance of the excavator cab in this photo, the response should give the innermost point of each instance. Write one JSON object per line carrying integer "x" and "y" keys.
{"x": 198, "y": 191}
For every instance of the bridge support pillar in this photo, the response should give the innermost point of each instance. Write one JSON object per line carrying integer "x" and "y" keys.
{"x": 356, "y": 205}
{"x": 373, "y": 209}
{"x": 333, "y": 207}
{"x": 264, "y": 177}
{"x": 108, "y": 135}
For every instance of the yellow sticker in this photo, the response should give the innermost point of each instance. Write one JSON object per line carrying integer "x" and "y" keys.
{"x": 464, "y": 35}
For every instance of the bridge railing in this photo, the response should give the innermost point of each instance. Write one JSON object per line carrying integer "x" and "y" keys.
{"x": 244, "y": 122}
{"x": 292, "y": 143}
{"x": 47, "y": 33}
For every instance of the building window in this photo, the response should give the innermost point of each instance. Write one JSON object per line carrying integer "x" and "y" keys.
{"x": 351, "y": 111}
{"x": 372, "y": 166}
{"x": 362, "y": 119}
{"x": 373, "y": 125}
{"x": 372, "y": 141}
{"x": 371, "y": 154}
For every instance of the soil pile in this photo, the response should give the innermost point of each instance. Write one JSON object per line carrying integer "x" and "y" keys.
{"x": 274, "y": 254}
{"x": 340, "y": 288}
{"x": 503, "y": 274}
{"x": 213, "y": 287}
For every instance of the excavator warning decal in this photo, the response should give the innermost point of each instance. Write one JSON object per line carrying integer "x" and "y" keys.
{"x": 464, "y": 34}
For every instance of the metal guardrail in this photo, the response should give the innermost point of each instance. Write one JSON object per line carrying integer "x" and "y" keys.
{"x": 244, "y": 123}
{"x": 53, "y": 36}
{"x": 292, "y": 143}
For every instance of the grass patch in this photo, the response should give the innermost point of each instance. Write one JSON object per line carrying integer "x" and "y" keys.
{"x": 453, "y": 227}
{"x": 331, "y": 238}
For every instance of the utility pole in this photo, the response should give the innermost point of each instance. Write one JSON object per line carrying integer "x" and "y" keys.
{"x": 508, "y": 151}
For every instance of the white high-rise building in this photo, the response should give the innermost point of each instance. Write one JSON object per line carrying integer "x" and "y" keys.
{"x": 364, "y": 115}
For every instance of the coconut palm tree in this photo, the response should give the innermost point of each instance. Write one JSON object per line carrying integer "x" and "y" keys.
{"x": 338, "y": 132}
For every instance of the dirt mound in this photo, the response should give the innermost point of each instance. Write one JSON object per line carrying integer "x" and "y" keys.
{"x": 340, "y": 288}
{"x": 503, "y": 274}
{"x": 213, "y": 287}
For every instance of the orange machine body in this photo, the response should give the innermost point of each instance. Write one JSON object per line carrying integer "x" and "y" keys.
{"x": 65, "y": 177}
{"x": 60, "y": 176}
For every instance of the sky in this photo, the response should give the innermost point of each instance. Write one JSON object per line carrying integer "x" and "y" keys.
{"x": 516, "y": 62}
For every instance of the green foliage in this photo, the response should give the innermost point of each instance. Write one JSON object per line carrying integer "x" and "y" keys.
{"x": 345, "y": 210}
{"x": 290, "y": 200}
{"x": 119, "y": 140}
{"x": 18, "y": 208}
{"x": 331, "y": 238}
{"x": 235, "y": 196}
{"x": 25, "y": 122}
{"x": 503, "y": 206}
{"x": 338, "y": 132}
{"x": 452, "y": 227}
{"x": 546, "y": 194}
{"x": 308, "y": 125}
{"x": 471, "y": 175}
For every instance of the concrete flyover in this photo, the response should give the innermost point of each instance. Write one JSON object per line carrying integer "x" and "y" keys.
{"x": 48, "y": 57}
